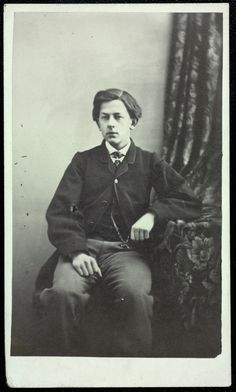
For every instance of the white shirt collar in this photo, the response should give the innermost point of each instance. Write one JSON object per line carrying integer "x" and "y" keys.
{"x": 123, "y": 150}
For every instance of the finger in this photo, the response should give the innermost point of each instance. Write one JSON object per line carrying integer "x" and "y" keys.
{"x": 84, "y": 269}
{"x": 93, "y": 265}
{"x": 93, "y": 261}
{"x": 132, "y": 234}
{"x": 79, "y": 270}
{"x": 136, "y": 234}
{"x": 89, "y": 266}
{"x": 96, "y": 268}
{"x": 99, "y": 272}
{"x": 141, "y": 235}
{"x": 146, "y": 234}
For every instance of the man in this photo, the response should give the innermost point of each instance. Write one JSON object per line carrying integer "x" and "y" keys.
{"x": 101, "y": 220}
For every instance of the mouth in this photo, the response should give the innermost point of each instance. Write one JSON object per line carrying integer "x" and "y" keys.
{"x": 111, "y": 134}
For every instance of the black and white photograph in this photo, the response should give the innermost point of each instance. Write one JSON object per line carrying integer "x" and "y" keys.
{"x": 116, "y": 167}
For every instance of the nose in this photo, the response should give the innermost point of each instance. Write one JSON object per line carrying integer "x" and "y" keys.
{"x": 111, "y": 122}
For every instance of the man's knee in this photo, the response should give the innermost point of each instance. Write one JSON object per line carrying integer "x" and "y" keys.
{"x": 60, "y": 293}
{"x": 134, "y": 297}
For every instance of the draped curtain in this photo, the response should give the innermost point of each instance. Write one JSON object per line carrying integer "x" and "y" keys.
{"x": 187, "y": 272}
{"x": 192, "y": 125}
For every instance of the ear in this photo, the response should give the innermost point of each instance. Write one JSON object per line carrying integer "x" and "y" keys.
{"x": 133, "y": 124}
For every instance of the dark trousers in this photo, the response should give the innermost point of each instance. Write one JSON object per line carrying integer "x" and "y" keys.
{"x": 126, "y": 276}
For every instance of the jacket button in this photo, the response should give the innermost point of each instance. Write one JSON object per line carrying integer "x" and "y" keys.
{"x": 116, "y": 181}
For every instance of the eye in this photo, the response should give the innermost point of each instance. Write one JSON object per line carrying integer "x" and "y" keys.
{"x": 118, "y": 117}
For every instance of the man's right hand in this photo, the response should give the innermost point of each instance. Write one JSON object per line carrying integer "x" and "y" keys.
{"x": 85, "y": 265}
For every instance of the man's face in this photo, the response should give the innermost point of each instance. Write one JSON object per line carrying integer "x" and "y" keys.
{"x": 115, "y": 123}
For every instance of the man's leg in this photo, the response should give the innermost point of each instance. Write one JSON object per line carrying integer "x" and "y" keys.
{"x": 127, "y": 274}
{"x": 65, "y": 304}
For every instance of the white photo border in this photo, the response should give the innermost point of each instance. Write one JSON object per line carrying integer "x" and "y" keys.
{"x": 116, "y": 372}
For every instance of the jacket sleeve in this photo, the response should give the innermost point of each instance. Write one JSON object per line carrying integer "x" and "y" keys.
{"x": 64, "y": 215}
{"x": 174, "y": 198}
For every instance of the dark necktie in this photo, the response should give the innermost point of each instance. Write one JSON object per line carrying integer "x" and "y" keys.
{"x": 117, "y": 155}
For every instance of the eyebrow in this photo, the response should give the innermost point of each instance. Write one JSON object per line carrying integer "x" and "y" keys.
{"x": 107, "y": 114}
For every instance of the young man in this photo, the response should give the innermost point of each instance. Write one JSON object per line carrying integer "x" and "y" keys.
{"x": 100, "y": 220}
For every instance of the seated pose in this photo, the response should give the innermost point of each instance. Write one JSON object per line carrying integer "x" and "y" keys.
{"x": 100, "y": 220}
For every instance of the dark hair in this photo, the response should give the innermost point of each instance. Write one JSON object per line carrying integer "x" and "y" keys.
{"x": 112, "y": 94}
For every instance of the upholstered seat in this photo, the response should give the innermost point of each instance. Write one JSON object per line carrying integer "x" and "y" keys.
{"x": 187, "y": 281}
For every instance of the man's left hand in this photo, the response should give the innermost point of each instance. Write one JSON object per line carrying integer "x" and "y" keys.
{"x": 141, "y": 229}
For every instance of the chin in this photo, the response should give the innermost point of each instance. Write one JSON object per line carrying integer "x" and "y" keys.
{"x": 113, "y": 142}
{"x": 113, "y": 139}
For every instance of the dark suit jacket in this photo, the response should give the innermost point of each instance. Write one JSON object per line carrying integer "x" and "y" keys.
{"x": 88, "y": 185}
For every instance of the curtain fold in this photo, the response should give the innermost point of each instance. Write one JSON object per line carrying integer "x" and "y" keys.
{"x": 192, "y": 121}
{"x": 188, "y": 276}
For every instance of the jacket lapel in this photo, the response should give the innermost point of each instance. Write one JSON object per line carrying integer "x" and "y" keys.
{"x": 129, "y": 159}
{"x": 104, "y": 157}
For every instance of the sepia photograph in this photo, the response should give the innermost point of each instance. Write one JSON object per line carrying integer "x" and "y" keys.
{"x": 116, "y": 161}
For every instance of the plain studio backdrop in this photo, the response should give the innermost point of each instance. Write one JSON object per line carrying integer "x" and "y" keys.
{"x": 60, "y": 60}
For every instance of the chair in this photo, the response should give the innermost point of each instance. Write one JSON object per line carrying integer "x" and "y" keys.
{"x": 187, "y": 282}
{"x": 186, "y": 263}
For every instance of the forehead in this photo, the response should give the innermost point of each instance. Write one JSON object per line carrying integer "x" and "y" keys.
{"x": 115, "y": 106}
